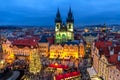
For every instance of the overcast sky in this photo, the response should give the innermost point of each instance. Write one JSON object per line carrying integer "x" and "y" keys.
{"x": 42, "y": 12}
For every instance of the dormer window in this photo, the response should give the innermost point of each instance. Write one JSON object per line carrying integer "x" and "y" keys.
{"x": 34, "y": 40}
{"x": 31, "y": 46}
{"x": 118, "y": 57}
{"x": 112, "y": 52}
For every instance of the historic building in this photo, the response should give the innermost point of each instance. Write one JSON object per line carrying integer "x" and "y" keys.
{"x": 66, "y": 51}
{"x": 64, "y": 32}
{"x": 106, "y": 60}
{"x": 81, "y": 50}
{"x": 7, "y": 51}
{"x": 19, "y": 49}
{"x": 55, "y": 51}
{"x": 89, "y": 38}
{"x": 43, "y": 46}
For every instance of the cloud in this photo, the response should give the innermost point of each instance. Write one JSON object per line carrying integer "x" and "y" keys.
{"x": 42, "y": 12}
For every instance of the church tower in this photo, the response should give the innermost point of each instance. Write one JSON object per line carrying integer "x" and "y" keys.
{"x": 70, "y": 25}
{"x": 64, "y": 33}
{"x": 58, "y": 21}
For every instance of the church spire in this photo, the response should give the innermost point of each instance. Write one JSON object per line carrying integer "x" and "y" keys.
{"x": 70, "y": 16}
{"x": 58, "y": 17}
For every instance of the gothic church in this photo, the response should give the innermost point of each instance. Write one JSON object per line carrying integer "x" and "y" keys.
{"x": 64, "y": 33}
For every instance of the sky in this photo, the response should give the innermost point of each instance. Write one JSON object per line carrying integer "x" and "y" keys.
{"x": 43, "y": 12}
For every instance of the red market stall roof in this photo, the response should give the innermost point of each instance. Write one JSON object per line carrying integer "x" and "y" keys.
{"x": 63, "y": 76}
{"x": 58, "y": 66}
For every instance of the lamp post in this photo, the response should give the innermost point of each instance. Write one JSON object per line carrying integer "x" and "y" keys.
{"x": 2, "y": 65}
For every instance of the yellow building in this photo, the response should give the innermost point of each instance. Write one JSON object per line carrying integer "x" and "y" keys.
{"x": 81, "y": 50}
{"x": 66, "y": 51}
{"x": 100, "y": 61}
{"x": 95, "y": 56}
{"x": 43, "y": 48}
{"x": 103, "y": 67}
{"x": 56, "y": 51}
{"x": 113, "y": 73}
{"x": 70, "y": 51}
{"x": 20, "y": 49}
{"x": 8, "y": 53}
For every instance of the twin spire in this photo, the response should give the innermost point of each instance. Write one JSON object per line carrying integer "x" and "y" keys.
{"x": 58, "y": 17}
{"x": 68, "y": 19}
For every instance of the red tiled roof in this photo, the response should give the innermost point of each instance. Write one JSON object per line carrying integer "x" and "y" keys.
{"x": 113, "y": 59}
{"x": 103, "y": 46}
{"x": 58, "y": 66}
{"x": 116, "y": 49}
{"x": 118, "y": 66}
{"x": 117, "y": 35}
{"x": 26, "y": 42}
{"x": 67, "y": 75}
{"x": 50, "y": 40}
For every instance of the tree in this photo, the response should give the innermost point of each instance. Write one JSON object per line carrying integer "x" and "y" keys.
{"x": 35, "y": 63}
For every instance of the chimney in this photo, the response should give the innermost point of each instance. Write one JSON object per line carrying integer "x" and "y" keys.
{"x": 115, "y": 45}
{"x": 112, "y": 52}
{"x": 118, "y": 56}
{"x": 109, "y": 47}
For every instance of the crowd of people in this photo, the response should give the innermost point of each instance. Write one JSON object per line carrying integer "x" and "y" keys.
{"x": 44, "y": 74}
{"x": 20, "y": 64}
{"x": 73, "y": 65}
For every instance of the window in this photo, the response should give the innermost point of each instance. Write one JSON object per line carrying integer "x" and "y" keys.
{"x": 57, "y": 26}
{"x": 114, "y": 72}
{"x": 110, "y": 76}
{"x": 117, "y": 75}
{"x": 110, "y": 70}
{"x": 69, "y": 26}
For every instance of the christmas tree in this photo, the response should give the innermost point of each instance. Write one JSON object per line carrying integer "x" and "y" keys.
{"x": 35, "y": 63}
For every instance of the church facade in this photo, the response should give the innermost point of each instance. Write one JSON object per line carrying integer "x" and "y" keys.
{"x": 64, "y": 33}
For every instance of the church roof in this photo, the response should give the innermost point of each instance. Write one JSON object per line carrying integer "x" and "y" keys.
{"x": 70, "y": 16}
{"x": 58, "y": 17}
{"x": 26, "y": 42}
{"x": 63, "y": 28}
{"x": 43, "y": 39}
{"x": 69, "y": 42}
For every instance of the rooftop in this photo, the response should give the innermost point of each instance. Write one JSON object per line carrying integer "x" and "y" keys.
{"x": 105, "y": 48}
{"x": 26, "y": 42}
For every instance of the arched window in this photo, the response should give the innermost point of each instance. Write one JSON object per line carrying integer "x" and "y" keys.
{"x": 69, "y": 26}
{"x": 63, "y": 36}
{"x": 57, "y": 26}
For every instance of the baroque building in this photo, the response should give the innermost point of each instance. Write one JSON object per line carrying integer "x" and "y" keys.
{"x": 19, "y": 49}
{"x": 66, "y": 51}
{"x": 64, "y": 33}
{"x": 106, "y": 60}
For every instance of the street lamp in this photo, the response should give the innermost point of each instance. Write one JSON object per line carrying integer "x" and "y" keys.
{"x": 2, "y": 64}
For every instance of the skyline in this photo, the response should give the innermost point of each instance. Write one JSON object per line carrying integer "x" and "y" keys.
{"x": 43, "y": 12}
